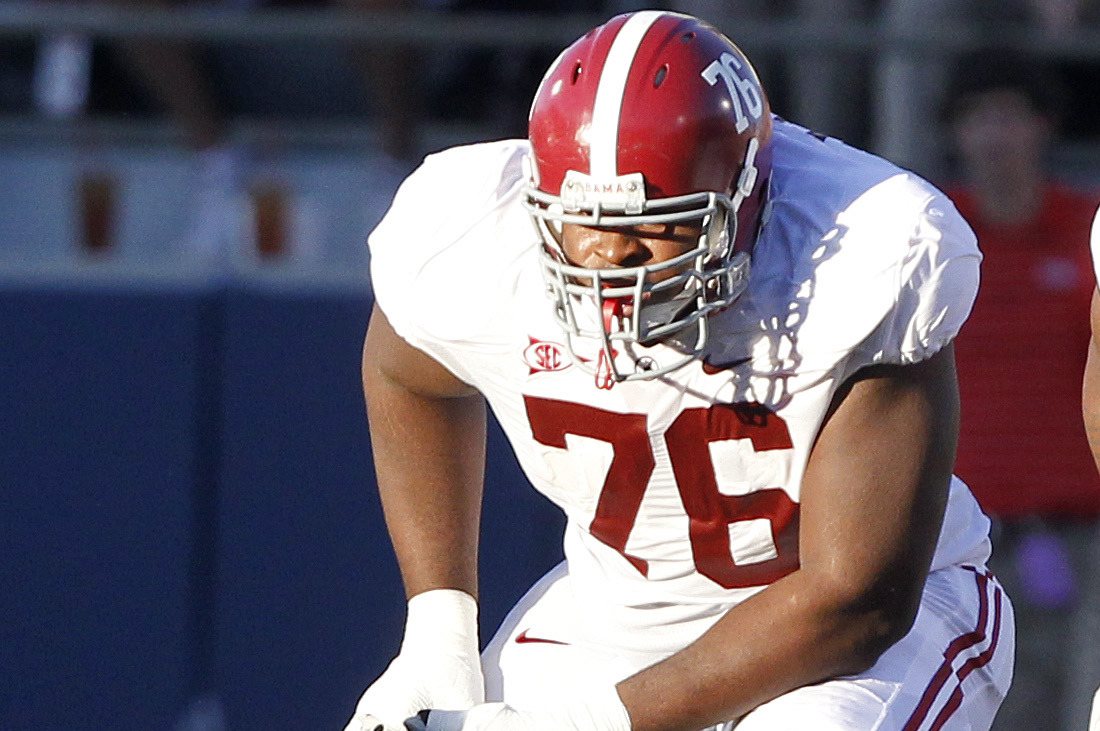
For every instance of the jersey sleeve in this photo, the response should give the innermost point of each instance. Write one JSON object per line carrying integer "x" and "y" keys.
{"x": 425, "y": 262}
{"x": 937, "y": 282}
{"x": 1094, "y": 245}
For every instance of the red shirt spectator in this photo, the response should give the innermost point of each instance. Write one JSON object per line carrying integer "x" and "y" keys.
{"x": 1022, "y": 446}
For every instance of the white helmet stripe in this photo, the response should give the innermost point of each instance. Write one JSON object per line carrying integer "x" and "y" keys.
{"x": 603, "y": 139}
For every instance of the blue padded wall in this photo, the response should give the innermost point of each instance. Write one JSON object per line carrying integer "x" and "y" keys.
{"x": 309, "y": 601}
{"x": 188, "y": 505}
{"x": 96, "y": 462}
{"x": 304, "y": 572}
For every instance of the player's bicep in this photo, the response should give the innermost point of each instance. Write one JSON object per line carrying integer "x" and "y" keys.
{"x": 389, "y": 361}
{"x": 426, "y": 425}
{"x": 876, "y": 485}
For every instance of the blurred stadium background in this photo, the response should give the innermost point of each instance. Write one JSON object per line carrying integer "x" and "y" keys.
{"x": 189, "y": 537}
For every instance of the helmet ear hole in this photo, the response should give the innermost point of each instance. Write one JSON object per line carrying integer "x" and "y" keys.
{"x": 576, "y": 73}
{"x": 659, "y": 78}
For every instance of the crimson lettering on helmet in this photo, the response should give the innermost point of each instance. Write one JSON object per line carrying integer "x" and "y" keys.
{"x": 744, "y": 93}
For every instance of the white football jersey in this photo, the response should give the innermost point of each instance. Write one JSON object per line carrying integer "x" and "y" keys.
{"x": 682, "y": 493}
{"x": 1094, "y": 245}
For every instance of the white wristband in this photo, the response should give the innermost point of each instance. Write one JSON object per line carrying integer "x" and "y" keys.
{"x": 442, "y": 619}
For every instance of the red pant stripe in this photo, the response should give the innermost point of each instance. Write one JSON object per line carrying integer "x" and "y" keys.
{"x": 957, "y": 646}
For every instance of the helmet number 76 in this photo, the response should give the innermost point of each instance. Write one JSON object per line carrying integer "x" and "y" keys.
{"x": 744, "y": 93}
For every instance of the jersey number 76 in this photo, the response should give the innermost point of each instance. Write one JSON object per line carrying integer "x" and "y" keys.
{"x": 710, "y": 512}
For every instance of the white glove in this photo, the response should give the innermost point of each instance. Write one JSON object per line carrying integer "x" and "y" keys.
{"x": 439, "y": 665}
{"x": 599, "y": 710}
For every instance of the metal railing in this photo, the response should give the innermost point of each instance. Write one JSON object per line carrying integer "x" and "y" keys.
{"x": 897, "y": 54}
{"x": 880, "y": 40}
{"x": 19, "y": 19}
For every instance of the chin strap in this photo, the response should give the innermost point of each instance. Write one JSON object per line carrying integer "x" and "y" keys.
{"x": 605, "y": 373}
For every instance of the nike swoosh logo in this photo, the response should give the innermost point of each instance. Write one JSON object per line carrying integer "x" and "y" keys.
{"x": 523, "y": 638}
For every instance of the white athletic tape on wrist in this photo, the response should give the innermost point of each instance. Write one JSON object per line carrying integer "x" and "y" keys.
{"x": 446, "y": 617}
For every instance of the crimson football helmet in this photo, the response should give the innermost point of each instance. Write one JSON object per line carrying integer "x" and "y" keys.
{"x": 652, "y": 118}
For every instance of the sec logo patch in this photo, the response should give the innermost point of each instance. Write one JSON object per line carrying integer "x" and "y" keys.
{"x": 543, "y": 356}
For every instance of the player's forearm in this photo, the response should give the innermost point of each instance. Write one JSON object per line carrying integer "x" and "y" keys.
{"x": 1090, "y": 400}
{"x": 1090, "y": 391}
{"x": 429, "y": 457}
{"x": 787, "y": 636}
{"x": 872, "y": 504}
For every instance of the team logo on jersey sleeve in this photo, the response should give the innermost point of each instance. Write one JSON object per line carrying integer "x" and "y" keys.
{"x": 543, "y": 356}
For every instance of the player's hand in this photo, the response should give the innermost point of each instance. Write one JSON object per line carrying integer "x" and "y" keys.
{"x": 439, "y": 665}
{"x": 600, "y": 710}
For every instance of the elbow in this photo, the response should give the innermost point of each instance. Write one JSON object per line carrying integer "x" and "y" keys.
{"x": 872, "y": 621}
{"x": 878, "y": 631}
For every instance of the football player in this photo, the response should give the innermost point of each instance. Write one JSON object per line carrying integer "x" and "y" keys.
{"x": 1090, "y": 397}
{"x": 723, "y": 349}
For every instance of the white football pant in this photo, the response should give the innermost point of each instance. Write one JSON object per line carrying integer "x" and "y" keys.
{"x": 950, "y": 673}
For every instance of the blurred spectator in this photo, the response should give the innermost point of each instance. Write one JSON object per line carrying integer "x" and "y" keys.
{"x": 1022, "y": 445}
{"x": 492, "y": 87}
{"x": 728, "y": 17}
{"x": 172, "y": 74}
{"x": 391, "y": 74}
{"x": 178, "y": 80}
{"x": 1054, "y": 18}
{"x": 200, "y": 88}
{"x": 909, "y": 79}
